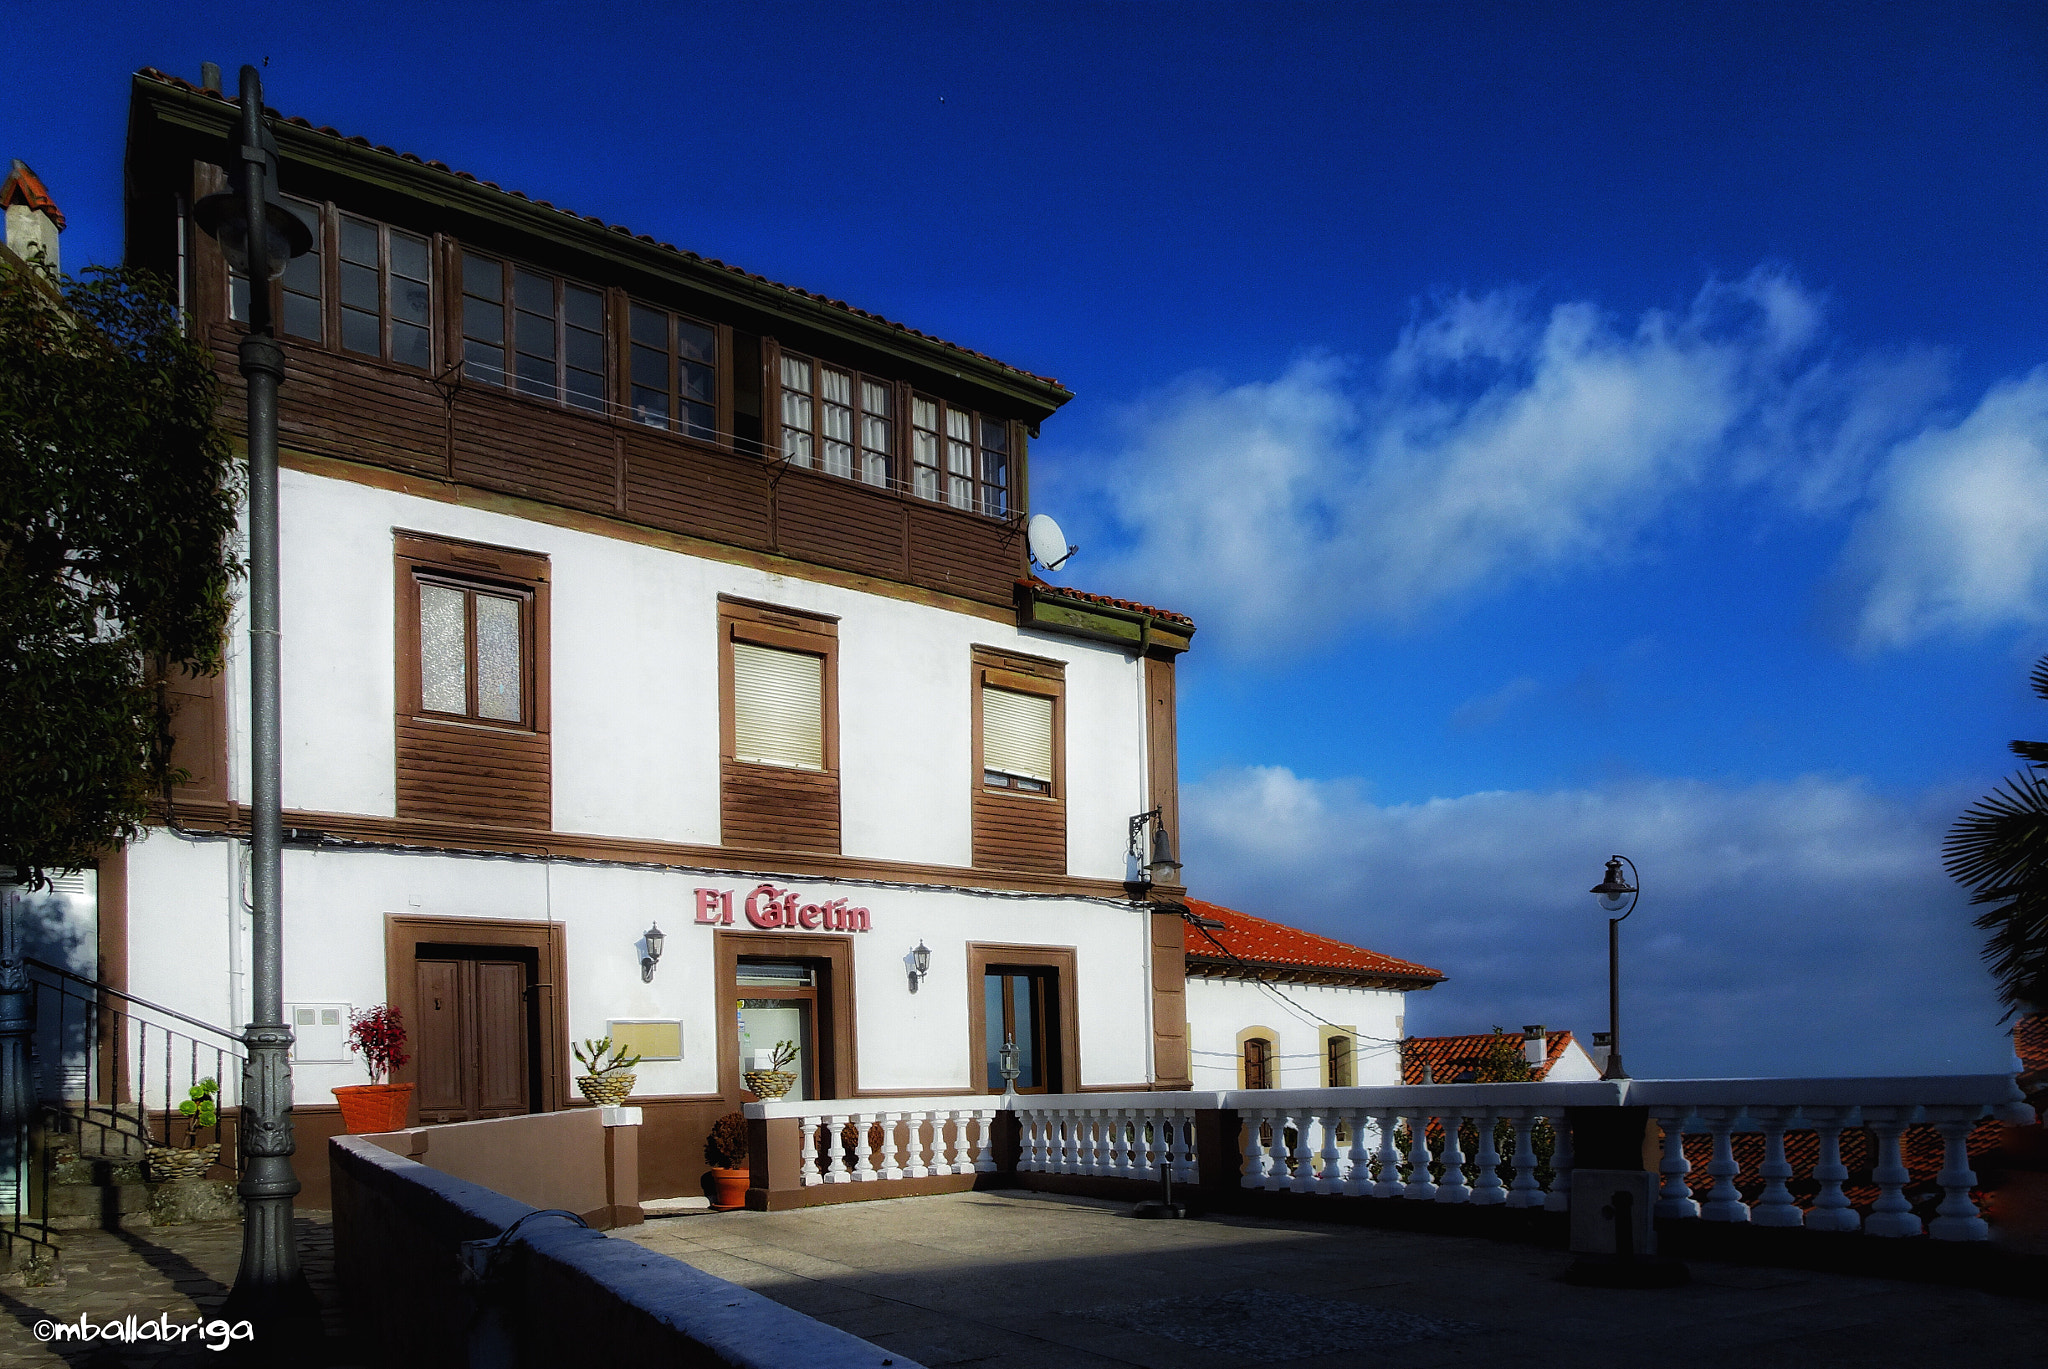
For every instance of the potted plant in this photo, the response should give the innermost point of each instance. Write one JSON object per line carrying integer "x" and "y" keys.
{"x": 610, "y": 1080}
{"x": 200, "y": 1111}
{"x": 378, "y": 1036}
{"x": 774, "y": 1081}
{"x": 727, "y": 1152}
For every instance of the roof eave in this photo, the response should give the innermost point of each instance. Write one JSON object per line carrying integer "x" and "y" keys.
{"x": 206, "y": 117}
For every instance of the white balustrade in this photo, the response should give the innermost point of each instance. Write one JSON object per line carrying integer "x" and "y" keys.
{"x": 1349, "y": 1142}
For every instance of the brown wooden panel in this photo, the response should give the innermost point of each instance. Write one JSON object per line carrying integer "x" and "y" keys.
{"x": 437, "y": 1056}
{"x": 963, "y": 554}
{"x": 522, "y": 447}
{"x": 672, "y": 484}
{"x": 198, "y": 707}
{"x": 478, "y": 774}
{"x": 1170, "y": 1063}
{"x": 1012, "y": 832}
{"x": 500, "y": 1038}
{"x": 781, "y": 809}
{"x": 1162, "y": 745}
{"x": 839, "y": 523}
{"x": 336, "y": 404}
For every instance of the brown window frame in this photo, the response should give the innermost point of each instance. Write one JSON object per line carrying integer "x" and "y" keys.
{"x": 979, "y": 423}
{"x": 994, "y": 667}
{"x": 720, "y": 431}
{"x": 1063, "y": 963}
{"x": 473, "y": 567}
{"x": 326, "y": 218}
{"x": 834, "y": 1023}
{"x": 857, "y": 378}
{"x": 743, "y": 785}
{"x": 1263, "y": 1064}
{"x": 338, "y": 326}
{"x": 507, "y": 305}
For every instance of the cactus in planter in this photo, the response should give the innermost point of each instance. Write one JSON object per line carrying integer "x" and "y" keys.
{"x": 610, "y": 1080}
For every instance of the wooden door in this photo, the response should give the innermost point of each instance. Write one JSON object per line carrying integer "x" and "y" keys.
{"x": 471, "y": 1045}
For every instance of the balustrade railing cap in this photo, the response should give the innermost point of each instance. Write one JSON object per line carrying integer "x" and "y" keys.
{"x": 1910, "y": 1090}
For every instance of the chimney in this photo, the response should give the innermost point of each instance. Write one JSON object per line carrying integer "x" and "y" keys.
{"x": 209, "y": 76}
{"x": 1603, "y": 1042}
{"x": 1535, "y": 1046}
{"x": 33, "y": 219}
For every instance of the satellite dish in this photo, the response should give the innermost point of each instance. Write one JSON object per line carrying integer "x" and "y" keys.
{"x": 1048, "y": 544}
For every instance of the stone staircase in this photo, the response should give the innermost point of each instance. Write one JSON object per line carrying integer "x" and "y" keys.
{"x": 98, "y": 1179}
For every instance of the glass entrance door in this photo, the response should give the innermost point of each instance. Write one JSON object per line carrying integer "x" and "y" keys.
{"x": 778, "y": 1003}
{"x": 1021, "y": 1005}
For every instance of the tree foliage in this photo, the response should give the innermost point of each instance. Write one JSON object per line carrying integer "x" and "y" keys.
{"x": 1999, "y": 848}
{"x": 117, "y": 520}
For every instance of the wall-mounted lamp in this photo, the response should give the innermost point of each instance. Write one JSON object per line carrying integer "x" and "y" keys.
{"x": 920, "y": 964}
{"x": 654, "y": 939}
{"x": 1162, "y": 868}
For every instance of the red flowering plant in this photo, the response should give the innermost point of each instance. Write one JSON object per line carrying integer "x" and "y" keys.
{"x": 378, "y": 1035}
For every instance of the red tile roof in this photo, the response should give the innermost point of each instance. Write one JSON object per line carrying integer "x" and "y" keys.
{"x": 1271, "y": 945}
{"x": 1450, "y": 1056}
{"x": 2030, "y": 1041}
{"x": 23, "y": 186}
{"x": 165, "y": 78}
{"x": 1082, "y": 596}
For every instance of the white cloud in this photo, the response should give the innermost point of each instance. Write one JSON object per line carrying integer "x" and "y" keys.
{"x": 1495, "y": 442}
{"x": 1956, "y": 539}
{"x": 1802, "y": 927}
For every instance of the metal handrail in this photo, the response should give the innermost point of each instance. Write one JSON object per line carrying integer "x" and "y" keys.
{"x": 96, "y": 985}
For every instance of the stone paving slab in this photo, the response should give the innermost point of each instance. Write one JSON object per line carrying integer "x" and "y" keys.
{"x": 1005, "y": 1280}
{"x": 182, "y": 1271}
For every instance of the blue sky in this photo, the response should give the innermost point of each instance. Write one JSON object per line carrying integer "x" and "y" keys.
{"x": 1578, "y": 428}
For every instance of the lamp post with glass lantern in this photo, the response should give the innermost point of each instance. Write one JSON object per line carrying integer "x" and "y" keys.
{"x": 258, "y": 235}
{"x": 1615, "y": 893}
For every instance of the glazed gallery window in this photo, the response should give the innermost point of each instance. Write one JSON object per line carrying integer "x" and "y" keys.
{"x": 533, "y": 332}
{"x": 959, "y": 457}
{"x": 673, "y": 365}
{"x": 474, "y": 651}
{"x": 300, "y": 296}
{"x": 837, "y": 421}
{"x": 387, "y": 291}
{"x": 1020, "y": 1004}
{"x": 1016, "y": 740}
{"x": 778, "y": 706}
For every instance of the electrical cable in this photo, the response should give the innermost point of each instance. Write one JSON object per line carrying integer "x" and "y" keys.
{"x": 1253, "y": 974}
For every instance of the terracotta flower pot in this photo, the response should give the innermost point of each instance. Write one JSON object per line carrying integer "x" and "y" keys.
{"x": 729, "y": 1188}
{"x": 370, "y": 1108}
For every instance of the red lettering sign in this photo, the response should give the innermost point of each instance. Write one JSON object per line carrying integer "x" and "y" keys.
{"x": 770, "y": 909}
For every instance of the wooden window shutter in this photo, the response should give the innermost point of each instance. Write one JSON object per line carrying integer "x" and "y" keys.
{"x": 1016, "y": 733}
{"x": 778, "y": 711}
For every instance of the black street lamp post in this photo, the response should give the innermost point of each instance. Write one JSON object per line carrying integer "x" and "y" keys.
{"x": 1615, "y": 893}
{"x": 258, "y": 234}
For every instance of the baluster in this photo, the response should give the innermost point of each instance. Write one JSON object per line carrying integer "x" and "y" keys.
{"x": 1674, "y": 1193}
{"x": 863, "y": 1147}
{"x": 1957, "y": 1219}
{"x": 1282, "y": 1176}
{"x": 1388, "y": 1182}
{"x": 1257, "y": 1162}
{"x": 1330, "y": 1179}
{"x": 1301, "y": 1177}
{"x": 1084, "y": 1141}
{"x": 1420, "y": 1185}
{"x": 1040, "y": 1137}
{"x": 1724, "y": 1200}
{"x": 892, "y": 1149}
{"x": 1524, "y": 1191}
{"x": 1123, "y": 1162}
{"x": 961, "y": 1164}
{"x": 1830, "y": 1210}
{"x": 1454, "y": 1188}
{"x": 1774, "y": 1206}
{"x": 835, "y": 1150}
{"x": 985, "y": 1124}
{"x": 1488, "y": 1190}
{"x": 808, "y": 1173}
{"x": 1891, "y": 1214}
{"x": 1070, "y": 1141}
{"x": 1559, "y": 1198}
{"x": 1358, "y": 1160}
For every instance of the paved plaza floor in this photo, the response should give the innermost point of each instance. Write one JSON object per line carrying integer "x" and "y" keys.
{"x": 1009, "y": 1281}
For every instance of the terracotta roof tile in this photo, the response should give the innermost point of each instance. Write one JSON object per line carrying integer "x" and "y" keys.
{"x": 1106, "y": 600}
{"x": 1450, "y": 1056}
{"x": 178, "y": 83}
{"x": 1263, "y": 943}
{"x": 23, "y": 186}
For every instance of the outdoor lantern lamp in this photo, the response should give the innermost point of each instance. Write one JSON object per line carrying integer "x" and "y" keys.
{"x": 654, "y": 938}
{"x": 920, "y": 964}
{"x": 1007, "y": 1057}
{"x": 258, "y": 233}
{"x": 1616, "y": 894}
{"x": 1162, "y": 867}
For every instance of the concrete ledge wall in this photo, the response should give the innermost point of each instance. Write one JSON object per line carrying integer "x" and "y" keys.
{"x": 548, "y": 1159}
{"x": 562, "y": 1295}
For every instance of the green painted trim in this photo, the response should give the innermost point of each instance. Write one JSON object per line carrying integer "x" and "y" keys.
{"x": 1133, "y": 631}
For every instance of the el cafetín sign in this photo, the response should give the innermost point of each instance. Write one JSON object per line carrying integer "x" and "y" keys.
{"x": 773, "y": 909}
